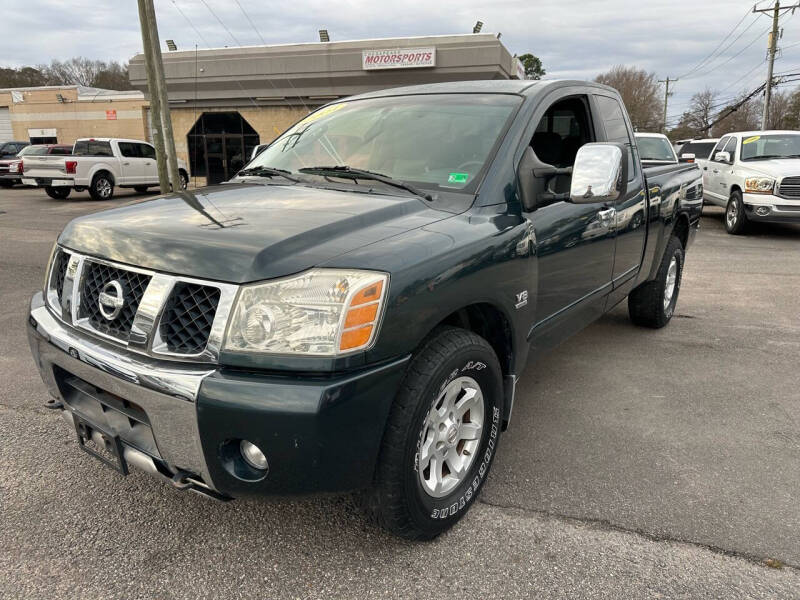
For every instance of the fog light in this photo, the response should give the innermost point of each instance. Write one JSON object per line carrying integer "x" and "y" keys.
{"x": 762, "y": 211}
{"x": 253, "y": 455}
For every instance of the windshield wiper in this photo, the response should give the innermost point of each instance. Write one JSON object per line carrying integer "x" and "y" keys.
{"x": 355, "y": 174}
{"x": 269, "y": 172}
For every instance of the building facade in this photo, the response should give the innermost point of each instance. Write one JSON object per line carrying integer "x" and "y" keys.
{"x": 225, "y": 101}
{"x": 62, "y": 114}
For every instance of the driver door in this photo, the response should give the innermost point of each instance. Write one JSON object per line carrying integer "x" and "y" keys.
{"x": 575, "y": 242}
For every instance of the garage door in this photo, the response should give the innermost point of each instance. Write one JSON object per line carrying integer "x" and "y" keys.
{"x": 6, "y": 133}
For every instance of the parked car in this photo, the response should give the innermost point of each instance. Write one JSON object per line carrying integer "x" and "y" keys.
{"x": 697, "y": 151}
{"x": 321, "y": 326}
{"x": 655, "y": 149}
{"x": 11, "y": 168}
{"x": 10, "y": 149}
{"x": 679, "y": 145}
{"x": 99, "y": 165}
{"x": 755, "y": 176}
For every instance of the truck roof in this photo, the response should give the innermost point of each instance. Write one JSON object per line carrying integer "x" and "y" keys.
{"x": 768, "y": 132}
{"x": 108, "y": 139}
{"x": 495, "y": 86}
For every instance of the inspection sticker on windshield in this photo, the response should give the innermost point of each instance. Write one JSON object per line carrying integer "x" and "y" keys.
{"x": 458, "y": 178}
{"x": 752, "y": 139}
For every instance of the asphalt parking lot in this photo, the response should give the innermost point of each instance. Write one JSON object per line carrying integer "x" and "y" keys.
{"x": 639, "y": 464}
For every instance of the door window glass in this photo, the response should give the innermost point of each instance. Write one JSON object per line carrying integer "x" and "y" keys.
{"x": 730, "y": 148}
{"x": 719, "y": 147}
{"x": 147, "y": 151}
{"x": 616, "y": 128}
{"x": 128, "y": 150}
{"x": 563, "y": 129}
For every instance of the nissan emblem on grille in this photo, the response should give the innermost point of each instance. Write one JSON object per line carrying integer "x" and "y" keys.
{"x": 111, "y": 300}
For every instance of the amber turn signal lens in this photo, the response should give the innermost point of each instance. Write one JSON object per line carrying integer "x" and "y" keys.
{"x": 371, "y": 293}
{"x": 361, "y": 316}
{"x": 355, "y": 337}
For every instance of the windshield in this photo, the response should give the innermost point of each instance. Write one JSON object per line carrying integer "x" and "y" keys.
{"x": 762, "y": 147}
{"x": 33, "y": 151}
{"x": 699, "y": 149}
{"x": 440, "y": 141}
{"x": 655, "y": 148}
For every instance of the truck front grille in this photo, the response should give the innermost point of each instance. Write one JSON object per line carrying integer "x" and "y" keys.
{"x": 789, "y": 187}
{"x": 161, "y": 315}
{"x": 188, "y": 317}
{"x": 96, "y": 276}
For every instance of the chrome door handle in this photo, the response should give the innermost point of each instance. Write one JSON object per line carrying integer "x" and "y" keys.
{"x": 126, "y": 164}
{"x": 606, "y": 216}
{"x": 716, "y": 170}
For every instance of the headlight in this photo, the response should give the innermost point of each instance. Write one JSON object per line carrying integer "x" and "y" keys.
{"x": 759, "y": 185}
{"x": 322, "y": 312}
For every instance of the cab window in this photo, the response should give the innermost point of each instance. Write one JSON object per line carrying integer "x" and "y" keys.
{"x": 617, "y": 131}
{"x": 563, "y": 129}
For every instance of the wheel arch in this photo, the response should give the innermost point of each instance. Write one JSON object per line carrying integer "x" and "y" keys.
{"x": 103, "y": 170}
{"x": 491, "y": 322}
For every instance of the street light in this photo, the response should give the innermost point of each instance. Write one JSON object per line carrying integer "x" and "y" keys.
{"x": 477, "y": 28}
{"x": 171, "y": 45}
{"x": 323, "y": 35}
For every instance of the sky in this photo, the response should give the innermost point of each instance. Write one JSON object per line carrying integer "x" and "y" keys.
{"x": 717, "y": 44}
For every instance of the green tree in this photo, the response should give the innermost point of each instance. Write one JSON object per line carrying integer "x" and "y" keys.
{"x": 532, "y": 65}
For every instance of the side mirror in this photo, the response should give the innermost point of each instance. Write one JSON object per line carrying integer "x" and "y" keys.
{"x": 687, "y": 158}
{"x": 599, "y": 174}
{"x": 722, "y": 157}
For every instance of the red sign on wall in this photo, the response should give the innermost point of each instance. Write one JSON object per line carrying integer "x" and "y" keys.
{"x": 111, "y": 115}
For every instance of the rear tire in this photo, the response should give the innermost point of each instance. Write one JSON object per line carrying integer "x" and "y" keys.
{"x": 736, "y": 222}
{"x": 102, "y": 187}
{"x": 652, "y": 304}
{"x": 57, "y": 193}
{"x": 142, "y": 189}
{"x": 6, "y": 183}
{"x": 441, "y": 436}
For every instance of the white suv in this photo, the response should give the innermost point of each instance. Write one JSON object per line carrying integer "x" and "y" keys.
{"x": 755, "y": 176}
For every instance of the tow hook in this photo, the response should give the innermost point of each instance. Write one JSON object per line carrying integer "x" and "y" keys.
{"x": 181, "y": 480}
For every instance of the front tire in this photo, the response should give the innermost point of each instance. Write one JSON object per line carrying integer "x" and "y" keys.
{"x": 57, "y": 193}
{"x": 440, "y": 438}
{"x": 736, "y": 222}
{"x": 102, "y": 187}
{"x": 652, "y": 304}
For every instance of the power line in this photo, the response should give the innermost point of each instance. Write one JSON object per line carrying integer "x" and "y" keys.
{"x": 253, "y": 25}
{"x": 200, "y": 35}
{"x": 233, "y": 37}
{"x": 702, "y": 62}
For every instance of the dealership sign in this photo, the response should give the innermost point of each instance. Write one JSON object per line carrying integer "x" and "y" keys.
{"x": 398, "y": 58}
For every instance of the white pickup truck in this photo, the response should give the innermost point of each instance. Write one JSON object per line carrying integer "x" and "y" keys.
{"x": 755, "y": 176}
{"x": 97, "y": 165}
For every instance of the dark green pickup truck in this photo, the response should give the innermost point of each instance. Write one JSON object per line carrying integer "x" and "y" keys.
{"x": 353, "y": 310}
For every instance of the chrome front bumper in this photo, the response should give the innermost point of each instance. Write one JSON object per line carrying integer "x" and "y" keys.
{"x": 165, "y": 390}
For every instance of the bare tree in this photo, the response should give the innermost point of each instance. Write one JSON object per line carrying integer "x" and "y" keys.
{"x": 84, "y": 71}
{"x": 640, "y": 93}
{"x": 779, "y": 116}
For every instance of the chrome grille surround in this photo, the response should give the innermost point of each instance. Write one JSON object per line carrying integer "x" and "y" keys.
{"x": 65, "y": 298}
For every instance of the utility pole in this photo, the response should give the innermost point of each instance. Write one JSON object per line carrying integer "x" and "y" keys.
{"x": 155, "y": 101}
{"x": 772, "y": 47}
{"x": 158, "y": 89}
{"x": 666, "y": 81}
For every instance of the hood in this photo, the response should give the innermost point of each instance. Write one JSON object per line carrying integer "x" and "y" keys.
{"x": 778, "y": 168}
{"x": 245, "y": 232}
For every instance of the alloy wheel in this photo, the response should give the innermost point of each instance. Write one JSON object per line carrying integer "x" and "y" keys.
{"x": 451, "y": 436}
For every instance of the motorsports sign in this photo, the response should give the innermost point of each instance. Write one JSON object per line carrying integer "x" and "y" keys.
{"x": 398, "y": 58}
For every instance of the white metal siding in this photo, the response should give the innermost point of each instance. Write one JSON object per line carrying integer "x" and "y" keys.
{"x": 6, "y": 133}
